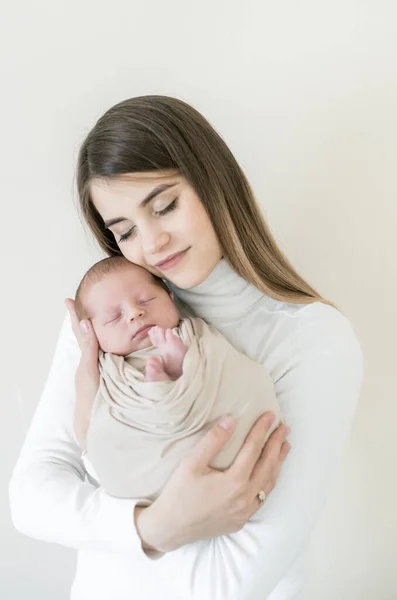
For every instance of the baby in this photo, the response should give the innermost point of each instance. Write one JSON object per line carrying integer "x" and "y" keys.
{"x": 130, "y": 309}
{"x": 164, "y": 380}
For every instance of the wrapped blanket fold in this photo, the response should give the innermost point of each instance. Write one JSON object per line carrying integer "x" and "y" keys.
{"x": 140, "y": 431}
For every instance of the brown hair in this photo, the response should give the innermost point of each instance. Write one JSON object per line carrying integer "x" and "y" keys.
{"x": 151, "y": 133}
{"x": 95, "y": 273}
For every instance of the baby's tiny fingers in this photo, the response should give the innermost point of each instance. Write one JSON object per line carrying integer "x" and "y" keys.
{"x": 170, "y": 335}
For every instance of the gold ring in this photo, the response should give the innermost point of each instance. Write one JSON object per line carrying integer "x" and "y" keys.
{"x": 261, "y": 496}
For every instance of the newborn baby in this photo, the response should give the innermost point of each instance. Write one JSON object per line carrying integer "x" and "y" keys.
{"x": 164, "y": 381}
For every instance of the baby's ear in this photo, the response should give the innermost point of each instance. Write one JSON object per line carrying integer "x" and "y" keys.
{"x": 171, "y": 295}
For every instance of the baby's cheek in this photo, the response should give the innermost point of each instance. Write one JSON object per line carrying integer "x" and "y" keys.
{"x": 173, "y": 319}
{"x": 107, "y": 339}
{"x": 101, "y": 337}
{"x": 177, "y": 316}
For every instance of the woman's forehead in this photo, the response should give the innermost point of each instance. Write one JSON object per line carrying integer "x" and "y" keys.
{"x": 131, "y": 181}
{"x": 148, "y": 176}
{"x": 129, "y": 189}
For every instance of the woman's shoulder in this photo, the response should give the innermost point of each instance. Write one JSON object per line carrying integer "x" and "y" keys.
{"x": 322, "y": 317}
{"x": 308, "y": 314}
{"x": 312, "y": 326}
{"x": 315, "y": 338}
{"x": 320, "y": 327}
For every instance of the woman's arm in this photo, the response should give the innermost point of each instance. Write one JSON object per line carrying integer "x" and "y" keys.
{"x": 318, "y": 394}
{"x": 51, "y": 500}
{"x": 49, "y": 497}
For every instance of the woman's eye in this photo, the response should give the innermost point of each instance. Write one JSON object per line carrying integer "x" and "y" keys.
{"x": 168, "y": 208}
{"x": 161, "y": 213}
{"x": 127, "y": 234}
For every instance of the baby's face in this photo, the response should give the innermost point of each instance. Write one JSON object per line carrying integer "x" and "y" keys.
{"x": 124, "y": 302}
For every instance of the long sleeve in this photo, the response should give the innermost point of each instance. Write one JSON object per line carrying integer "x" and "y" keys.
{"x": 318, "y": 390}
{"x": 318, "y": 393}
{"x": 49, "y": 496}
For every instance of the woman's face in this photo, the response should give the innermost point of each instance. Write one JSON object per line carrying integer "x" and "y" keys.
{"x": 155, "y": 216}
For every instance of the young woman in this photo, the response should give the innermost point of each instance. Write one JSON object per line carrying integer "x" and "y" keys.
{"x": 158, "y": 185}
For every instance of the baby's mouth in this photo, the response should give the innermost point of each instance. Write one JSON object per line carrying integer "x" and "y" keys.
{"x": 142, "y": 332}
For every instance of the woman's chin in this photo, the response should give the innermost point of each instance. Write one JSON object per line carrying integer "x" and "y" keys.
{"x": 187, "y": 281}
{"x": 194, "y": 272}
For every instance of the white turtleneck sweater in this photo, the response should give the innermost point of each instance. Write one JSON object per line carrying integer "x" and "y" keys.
{"x": 315, "y": 360}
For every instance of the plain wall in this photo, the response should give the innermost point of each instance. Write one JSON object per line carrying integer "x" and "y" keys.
{"x": 305, "y": 94}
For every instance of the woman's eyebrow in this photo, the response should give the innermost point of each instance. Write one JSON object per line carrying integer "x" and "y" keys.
{"x": 155, "y": 192}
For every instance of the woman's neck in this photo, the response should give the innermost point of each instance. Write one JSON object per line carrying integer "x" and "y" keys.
{"x": 222, "y": 294}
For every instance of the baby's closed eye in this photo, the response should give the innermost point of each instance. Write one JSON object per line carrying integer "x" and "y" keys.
{"x": 147, "y": 300}
{"x": 112, "y": 319}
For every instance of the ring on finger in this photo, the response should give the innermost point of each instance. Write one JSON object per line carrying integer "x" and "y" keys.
{"x": 261, "y": 495}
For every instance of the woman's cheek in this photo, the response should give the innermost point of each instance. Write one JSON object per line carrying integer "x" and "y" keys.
{"x": 133, "y": 252}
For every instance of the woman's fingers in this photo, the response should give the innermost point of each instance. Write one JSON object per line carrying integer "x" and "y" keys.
{"x": 285, "y": 448}
{"x": 83, "y": 330}
{"x": 267, "y": 468}
{"x": 69, "y": 303}
{"x": 87, "y": 375}
{"x": 210, "y": 444}
{"x": 247, "y": 457}
{"x": 273, "y": 445}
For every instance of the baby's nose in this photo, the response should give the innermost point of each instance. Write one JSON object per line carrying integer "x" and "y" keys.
{"x": 135, "y": 312}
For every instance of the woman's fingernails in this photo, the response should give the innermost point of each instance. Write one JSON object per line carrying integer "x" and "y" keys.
{"x": 288, "y": 431}
{"x": 226, "y": 422}
{"x": 84, "y": 326}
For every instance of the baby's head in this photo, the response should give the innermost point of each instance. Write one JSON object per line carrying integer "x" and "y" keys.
{"x": 121, "y": 298}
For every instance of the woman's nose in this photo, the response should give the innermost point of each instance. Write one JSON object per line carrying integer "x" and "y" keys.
{"x": 153, "y": 241}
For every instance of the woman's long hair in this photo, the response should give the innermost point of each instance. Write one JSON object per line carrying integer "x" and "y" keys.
{"x": 151, "y": 133}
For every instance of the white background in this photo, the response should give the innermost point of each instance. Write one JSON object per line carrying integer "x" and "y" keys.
{"x": 305, "y": 94}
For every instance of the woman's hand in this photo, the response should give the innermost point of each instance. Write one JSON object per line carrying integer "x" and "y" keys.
{"x": 200, "y": 502}
{"x": 87, "y": 374}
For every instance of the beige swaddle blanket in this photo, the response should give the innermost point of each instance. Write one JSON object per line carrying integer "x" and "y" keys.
{"x": 140, "y": 431}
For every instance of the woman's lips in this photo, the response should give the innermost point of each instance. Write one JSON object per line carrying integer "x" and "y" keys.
{"x": 172, "y": 262}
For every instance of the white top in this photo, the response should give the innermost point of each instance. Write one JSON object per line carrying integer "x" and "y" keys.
{"x": 315, "y": 360}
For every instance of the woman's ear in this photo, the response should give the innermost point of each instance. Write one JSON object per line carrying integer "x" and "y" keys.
{"x": 171, "y": 295}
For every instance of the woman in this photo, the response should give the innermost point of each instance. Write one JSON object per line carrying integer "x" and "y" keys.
{"x": 158, "y": 185}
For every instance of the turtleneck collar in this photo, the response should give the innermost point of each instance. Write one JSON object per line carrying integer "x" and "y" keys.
{"x": 222, "y": 294}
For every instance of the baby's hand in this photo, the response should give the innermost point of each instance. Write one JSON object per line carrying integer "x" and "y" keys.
{"x": 154, "y": 369}
{"x": 171, "y": 350}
